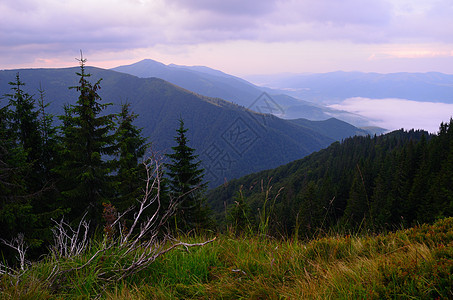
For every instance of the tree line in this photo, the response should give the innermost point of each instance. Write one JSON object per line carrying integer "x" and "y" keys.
{"x": 362, "y": 183}
{"x": 88, "y": 167}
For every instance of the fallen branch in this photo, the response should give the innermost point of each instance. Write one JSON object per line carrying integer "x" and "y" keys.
{"x": 131, "y": 250}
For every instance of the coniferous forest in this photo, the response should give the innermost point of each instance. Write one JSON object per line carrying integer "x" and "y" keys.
{"x": 87, "y": 209}
{"x": 375, "y": 183}
{"x": 91, "y": 167}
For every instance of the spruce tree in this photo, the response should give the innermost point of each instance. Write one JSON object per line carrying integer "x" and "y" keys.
{"x": 357, "y": 208}
{"x": 24, "y": 129}
{"x": 88, "y": 142}
{"x": 16, "y": 165}
{"x": 131, "y": 147}
{"x": 310, "y": 210}
{"x": 185, "y": 181}
{"x": 44, "y": 203}
{"x": 48, "y": 135}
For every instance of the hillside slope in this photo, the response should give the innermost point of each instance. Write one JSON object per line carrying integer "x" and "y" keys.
{"x": 231, "y": 140}
{"x": 214, "y": 83}
{"x": 333, "y": 128}
{"x": 362, "y": 182}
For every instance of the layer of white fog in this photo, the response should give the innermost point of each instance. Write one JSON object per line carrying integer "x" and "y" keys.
{"x": 399, "y": 113}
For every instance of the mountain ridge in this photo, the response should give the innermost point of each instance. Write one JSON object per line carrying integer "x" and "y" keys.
{"x": 231, "y": 140}
{"x": 214, "y": 83}
{"x": 333, "y": 87}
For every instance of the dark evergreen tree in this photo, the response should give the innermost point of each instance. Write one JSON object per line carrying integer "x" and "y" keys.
{"x": 185, "y": 182}
{"x": 131, "y": 173}
{"x": 440, "y": 195}
{"x": 88, "y": 143}
{"x": 48, "y": 135}
{"x": 44, "y": 203}
{"x": 310, "y": 210}
{"x": 382, "y": 203}
{"x": 24, "y": 128}
{"x": 421, "y": 209}
{"x": 357, "y": 209}
{"x": 16, "y": 166}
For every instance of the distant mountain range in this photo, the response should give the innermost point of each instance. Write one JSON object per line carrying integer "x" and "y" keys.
{"x": 214, "y": 83}
{"x": 230, "y": 139}
{"x": 334, "y": 87}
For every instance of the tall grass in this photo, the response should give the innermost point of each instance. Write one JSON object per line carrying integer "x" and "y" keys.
{"x": 414, "y": 263}
{"x": 267, "y": 209}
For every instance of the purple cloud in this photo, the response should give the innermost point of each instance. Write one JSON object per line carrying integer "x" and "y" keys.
{"x": 229, "y": 7}
{"x": 52, "y": 27}
{"x": 340, "y": 13}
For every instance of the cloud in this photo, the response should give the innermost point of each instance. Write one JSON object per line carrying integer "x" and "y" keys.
{"x": 286, "y": 20}
{"x": 395, "y": 114}
{"x": 51, "y": 28}
{"x": 230, "y": 7}
{"x": 338, "y": 13}
{"x": 145, "y": 22}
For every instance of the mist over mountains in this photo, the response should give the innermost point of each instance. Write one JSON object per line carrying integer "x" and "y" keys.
{"x": 214, "y": 83}
{"x": 363, "y": 99}
{"x": 334, "y": 87}
{"x": 392, "y": 101}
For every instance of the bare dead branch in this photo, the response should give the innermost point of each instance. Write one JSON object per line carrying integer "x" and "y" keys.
{"x": 135, "y": 248}
{"x": 67, "y": 241}
{"x": 18, "y": 244}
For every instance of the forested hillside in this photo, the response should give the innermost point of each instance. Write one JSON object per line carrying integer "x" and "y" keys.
{"x": 231, "y": 140}
{"x": 90, "y": 171}
{"x": 380, "y": 182}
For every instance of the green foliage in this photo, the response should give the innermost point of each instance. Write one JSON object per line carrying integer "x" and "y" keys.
{"x": 24, "y": 168}
{"x": 363, "y": 183}
{"x": 185, "y": 182}
{"x": 265, "y": 212}
{"x": 24, "y": 120}
{"x": 239, "y": 214}
{"x": 87, "y": 142}
{"x": 45, "y": 173}
{"x": 412, "y": 263}
{"x": 131, "y": 147}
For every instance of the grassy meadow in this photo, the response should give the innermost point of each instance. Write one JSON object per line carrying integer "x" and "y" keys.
{"x": 414, "y": 263}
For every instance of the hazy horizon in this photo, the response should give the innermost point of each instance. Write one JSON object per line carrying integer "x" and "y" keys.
{"x": 248, "y": 77}
{"x": 237, "y": 37}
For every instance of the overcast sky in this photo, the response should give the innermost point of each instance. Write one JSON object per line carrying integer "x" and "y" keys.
{"x": 240, "y": 37}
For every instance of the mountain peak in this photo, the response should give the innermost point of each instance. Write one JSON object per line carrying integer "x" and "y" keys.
{"x": 148, "y": 62}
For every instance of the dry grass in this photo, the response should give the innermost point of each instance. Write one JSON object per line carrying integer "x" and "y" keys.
{"x": 414, "y": 263}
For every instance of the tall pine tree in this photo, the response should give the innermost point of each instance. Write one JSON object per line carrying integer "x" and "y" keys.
{"x": 186, "y": 184}
{"x": 24, "y": 125}
{"x": 131, "y": 174}
{"x": 88, "y": 144}
{"x": 19, "y": 172}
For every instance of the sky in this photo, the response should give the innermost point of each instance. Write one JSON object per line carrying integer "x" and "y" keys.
{"x": 236, "y": 36}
